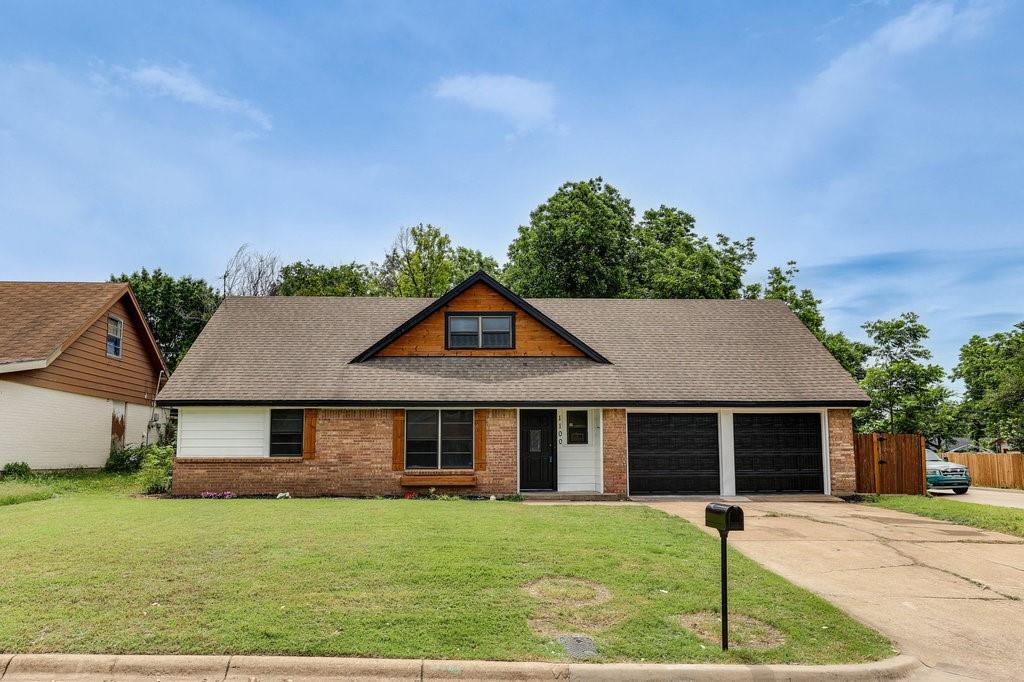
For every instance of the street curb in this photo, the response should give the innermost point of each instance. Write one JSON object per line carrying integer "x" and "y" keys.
{"x": 117, "y": 668}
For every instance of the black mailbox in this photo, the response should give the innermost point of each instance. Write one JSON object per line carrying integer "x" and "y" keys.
{"x": 723, "y": 517}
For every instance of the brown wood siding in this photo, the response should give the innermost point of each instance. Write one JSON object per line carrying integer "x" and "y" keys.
{"x": 532, "y": 338}
{"x": 84, "y": 367}
{"x": 398, "y": 440}
{"x": 309, "y": 434}
{"x": 480, "y": 440}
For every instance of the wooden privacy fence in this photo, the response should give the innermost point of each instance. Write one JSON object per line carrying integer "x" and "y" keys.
{"x": 890, "y": 463}
{"x": 996, "y": 470}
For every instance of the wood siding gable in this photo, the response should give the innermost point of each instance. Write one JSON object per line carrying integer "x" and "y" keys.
{"x": 535, "y": 335}
{"x": 428, "y": 337}
{"x": 85, "y": 368}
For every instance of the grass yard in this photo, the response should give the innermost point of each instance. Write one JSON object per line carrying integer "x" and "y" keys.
{"x": 44, "y": 486}
{"x": 984, "y": 516}
{"x": 103, "y": 572}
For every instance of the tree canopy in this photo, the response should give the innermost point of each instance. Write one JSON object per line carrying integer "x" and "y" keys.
{"x": 907, "y": 393}
{"x": 422, "y": 262}
{"x": 303, "y": 278}
{"x": 176, "y": 308}
{"x": 578, "y": 244}
{"x": 992, "y": 369}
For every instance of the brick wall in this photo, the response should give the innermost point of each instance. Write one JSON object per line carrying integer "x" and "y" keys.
{"x": 353, "y": 458}
{"x": 613, "y": 433}
{"x": 840, "y": 449}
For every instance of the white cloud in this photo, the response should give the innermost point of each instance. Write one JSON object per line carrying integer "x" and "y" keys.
{"x": 842, "y": 88}
{"x": 180, "y": 84}
{"x": 528, "y": 104}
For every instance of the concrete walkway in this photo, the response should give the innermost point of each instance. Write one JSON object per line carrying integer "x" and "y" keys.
{"x": 946, "y": 594}
{"x": 999, "y": 497}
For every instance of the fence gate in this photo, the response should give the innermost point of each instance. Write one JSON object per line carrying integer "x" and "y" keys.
{"x": 891, "y": 463}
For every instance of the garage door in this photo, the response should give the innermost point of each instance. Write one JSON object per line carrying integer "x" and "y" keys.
{"x": 778, "y": 453}
{"x": 673, "y": 454}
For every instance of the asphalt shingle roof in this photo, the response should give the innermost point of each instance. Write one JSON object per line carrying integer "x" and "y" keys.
{"x": 298, "y": 350}
{"x": 37, "y": 319}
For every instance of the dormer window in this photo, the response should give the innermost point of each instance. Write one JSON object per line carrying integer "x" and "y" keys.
{"x": 480, "y": 330}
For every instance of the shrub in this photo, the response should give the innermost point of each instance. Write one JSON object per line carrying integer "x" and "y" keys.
{"x": 155, "y": 474}
{"x": 16, "y": 470}
{"x": 125, "y": 459}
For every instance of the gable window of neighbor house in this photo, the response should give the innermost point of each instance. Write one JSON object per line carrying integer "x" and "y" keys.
{"x": 439, "y": 439}
{"x": 115, "y": 334}
{"x": 479, "y": 330}
{"x": 286, "y": 433}
{"x": 576, "y": 427}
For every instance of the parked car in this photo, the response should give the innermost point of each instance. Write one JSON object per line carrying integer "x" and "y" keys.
{"x": 945, "y": 475}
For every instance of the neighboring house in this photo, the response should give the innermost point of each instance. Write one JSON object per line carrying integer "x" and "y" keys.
{"x": 482, "y": 392}
{"x": 79, "y": 369}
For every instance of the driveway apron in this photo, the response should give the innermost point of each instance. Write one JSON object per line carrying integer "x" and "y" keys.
{"x": 950, "y": 595}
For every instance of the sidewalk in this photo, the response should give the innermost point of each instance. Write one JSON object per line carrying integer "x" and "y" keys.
{"x": 90, "y": 668}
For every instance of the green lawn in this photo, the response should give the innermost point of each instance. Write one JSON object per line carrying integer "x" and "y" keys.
{"x": 984, "y": 516}
{"x": 106, "y": 572}
{"x": 45, "y": 486}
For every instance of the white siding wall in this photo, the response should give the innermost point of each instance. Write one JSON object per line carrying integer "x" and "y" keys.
{"x": 51, "y": 429}
{"x": 224, "y": 432}
{"x": 136, "y": 424}
{"x": 579, "y": 466}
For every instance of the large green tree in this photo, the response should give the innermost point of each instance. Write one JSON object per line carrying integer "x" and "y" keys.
{"x": 176, "y": 308}
{"x": 992, "y": 369}
{"x": 907, "y": 393}
{"x": 579, "y": 243}
{"x": 303, "y": 278}
{"x": 423, "y": 262}
{"x": 671, "y": 260}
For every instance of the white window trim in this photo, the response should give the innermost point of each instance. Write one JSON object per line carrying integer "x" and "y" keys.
{"x": 120, "y": 338}
{"x": 564, "y": 428}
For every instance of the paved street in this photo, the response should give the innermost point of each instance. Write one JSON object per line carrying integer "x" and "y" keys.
{"x": 999, "y": 497}
{"x": 948, "y": 594}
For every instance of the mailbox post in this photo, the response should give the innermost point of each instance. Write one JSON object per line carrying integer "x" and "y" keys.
{"x": 724, "y": 518}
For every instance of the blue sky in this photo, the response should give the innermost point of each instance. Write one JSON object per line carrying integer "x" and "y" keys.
{"x": 880, "y": 144}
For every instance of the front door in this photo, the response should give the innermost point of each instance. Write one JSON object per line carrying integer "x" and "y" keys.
{"x": 537, "y": 465}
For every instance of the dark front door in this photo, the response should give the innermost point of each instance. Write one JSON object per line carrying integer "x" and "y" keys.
{"x": 537, "y": 450}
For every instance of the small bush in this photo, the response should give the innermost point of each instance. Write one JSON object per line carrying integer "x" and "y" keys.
{"x": 125, "y": 459}
{"x": 16, "y": 470}
{"x": 155, "y": 473}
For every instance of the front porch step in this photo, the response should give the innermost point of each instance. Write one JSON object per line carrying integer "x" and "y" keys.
{"x": 572, "y": 497}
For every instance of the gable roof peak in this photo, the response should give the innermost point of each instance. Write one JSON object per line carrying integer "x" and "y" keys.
{"x": 480, "y": 277}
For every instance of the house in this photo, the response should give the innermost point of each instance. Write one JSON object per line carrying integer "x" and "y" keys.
{"x": 79, "y": 370}
{"x": 482, "y": 392}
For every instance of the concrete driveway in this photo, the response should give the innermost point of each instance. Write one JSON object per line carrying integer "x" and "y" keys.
{"x": 1000, "y": 497}
{"x": 948, "y": 594}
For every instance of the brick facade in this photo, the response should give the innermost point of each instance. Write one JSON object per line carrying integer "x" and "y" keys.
{"x": 353, "y": 458}
{"x": 613, "y": 434}
{"x": 840, "y": 450}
